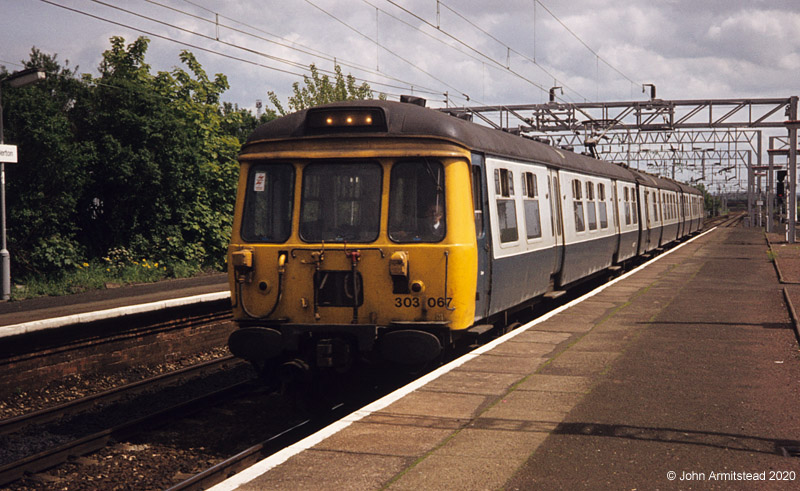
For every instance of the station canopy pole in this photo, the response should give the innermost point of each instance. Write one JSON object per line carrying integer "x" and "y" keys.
{"x": 792, "y": 164}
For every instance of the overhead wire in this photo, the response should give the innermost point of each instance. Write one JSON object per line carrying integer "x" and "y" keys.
{"x": 207, "y": 50}
{"x": 431, "y": 36}
{"x": 167, "y": 38}
{"x": 493, "y": 63}
{"x": 286, "y": 43}
{"x": 583, "y": 42}
{"x": 387, "y": 49}
{"x": 511, "y": 49}
{"x": 471, "y": 48}
{"x": 225, "y": 43}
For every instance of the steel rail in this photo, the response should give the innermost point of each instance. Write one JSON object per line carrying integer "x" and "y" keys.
{"x": 91, "y": 443}
{"x": 10, "y": 425}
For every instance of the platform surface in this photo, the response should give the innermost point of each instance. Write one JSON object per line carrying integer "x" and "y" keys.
{"x": 684, "y": 375}
{"x": 36, "y": 309}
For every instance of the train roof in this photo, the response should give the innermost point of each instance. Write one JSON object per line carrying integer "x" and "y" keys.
{"x": 410, "y": 120}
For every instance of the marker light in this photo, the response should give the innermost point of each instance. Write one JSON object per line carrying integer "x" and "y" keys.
{"x": 341, "y": 119}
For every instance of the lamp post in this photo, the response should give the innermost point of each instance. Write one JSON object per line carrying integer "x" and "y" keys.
{"x": 16, "y": 79}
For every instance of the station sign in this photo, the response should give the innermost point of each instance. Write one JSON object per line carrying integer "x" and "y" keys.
{"x": 8, "y": 154}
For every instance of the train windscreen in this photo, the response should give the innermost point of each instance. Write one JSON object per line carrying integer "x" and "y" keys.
{"x": 341, "y": 202}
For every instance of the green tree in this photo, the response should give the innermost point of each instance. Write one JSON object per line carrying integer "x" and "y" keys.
{"x": 45, "y": 187}
{"x": 709, "y": 202}
{"x": 165, "y": 179}
{"x": 320, "y": 90}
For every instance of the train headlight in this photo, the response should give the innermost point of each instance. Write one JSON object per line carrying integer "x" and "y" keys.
{"x": 398, "y": 264}
{"x": 417, "y": 286}
{"x": 242, "y": 264}
{"x": 242, "y": 260}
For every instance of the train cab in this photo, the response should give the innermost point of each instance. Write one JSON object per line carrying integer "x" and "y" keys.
{"x": 350, "y": 238}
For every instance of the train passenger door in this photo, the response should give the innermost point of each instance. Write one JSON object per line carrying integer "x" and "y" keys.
{"x": 646, "y": 228}
{"x": 483, "y": 241}
{"x": 616, "y": 218}
{"x": 554, "y": 191}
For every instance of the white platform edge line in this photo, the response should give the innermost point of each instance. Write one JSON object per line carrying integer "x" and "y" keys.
{"x": 27, "y": 327}
{"x": 282, "y": 456}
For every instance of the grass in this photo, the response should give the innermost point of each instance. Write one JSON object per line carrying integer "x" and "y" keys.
{"x": 98, "y": 275}
{"x": 771, "y": 255}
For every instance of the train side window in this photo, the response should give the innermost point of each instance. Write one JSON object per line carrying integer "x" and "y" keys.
{"x": 504, "y": 182}
{"x": 591, "y": 209}
{"x": 477, "y": 200}
{"x": 634, "y": 207}
{"x": 667, "y": 206}
{"x": 555, "y": 199}
{"x": 506, "y": 207}
{"x": 665, "y": 211}
{"x": 601, "y": 205}
{"x": 655, "y": 206}
{"x": 672, "y": 206}
{"x": 580, "y": 226}
{"x": 552, "y": 200}
{"x": 627, "y": 206}
{"x": 530, "y": 192}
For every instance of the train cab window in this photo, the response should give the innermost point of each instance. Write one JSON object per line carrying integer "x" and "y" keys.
{"x": 268, "y": 203}
{"x": 506, "y": 206}
{"x": 416, "y": 201}
{"x": 530, "y": 192}
{"x": 580, "y": 226}
{"x": 340, "y": 202}
{"x": 601, "y": 205}
{"x": 591, "y": 209}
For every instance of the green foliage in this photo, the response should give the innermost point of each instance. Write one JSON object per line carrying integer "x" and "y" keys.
{"x": 126, "y": 165}
{"x": 125, "y": 161}
{"x": 167, "y": 178}
{"x": 44, "y": 188}
{"x": 320, "y": 90}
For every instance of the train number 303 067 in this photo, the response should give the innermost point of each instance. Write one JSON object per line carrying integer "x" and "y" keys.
{"x": 416, "y": 302}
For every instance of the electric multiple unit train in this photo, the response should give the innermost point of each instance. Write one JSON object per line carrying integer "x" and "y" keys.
{"x": 374, "y": 230}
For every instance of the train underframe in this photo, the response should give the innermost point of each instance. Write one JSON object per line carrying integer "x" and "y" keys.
{"x": 288, "y": 354}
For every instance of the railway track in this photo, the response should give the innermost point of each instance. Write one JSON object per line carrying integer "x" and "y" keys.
{"x": 40, "y": 421}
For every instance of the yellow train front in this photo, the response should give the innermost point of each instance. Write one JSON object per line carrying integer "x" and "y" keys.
{"x": 353, "y": 239}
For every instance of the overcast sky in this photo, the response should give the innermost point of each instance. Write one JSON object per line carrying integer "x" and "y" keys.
{"x": 494, "y": 52}
{"x": 498, "y": 52}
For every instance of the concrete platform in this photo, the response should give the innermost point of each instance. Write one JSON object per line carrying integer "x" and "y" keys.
{"x": 18, "y": 317}
{"x": 688, "y": 366}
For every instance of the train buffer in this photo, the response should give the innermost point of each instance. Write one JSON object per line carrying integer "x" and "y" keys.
{"x": 682, "y": 374}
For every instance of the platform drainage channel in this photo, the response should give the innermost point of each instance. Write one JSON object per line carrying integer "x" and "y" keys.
{"x": 790, "y": 451}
